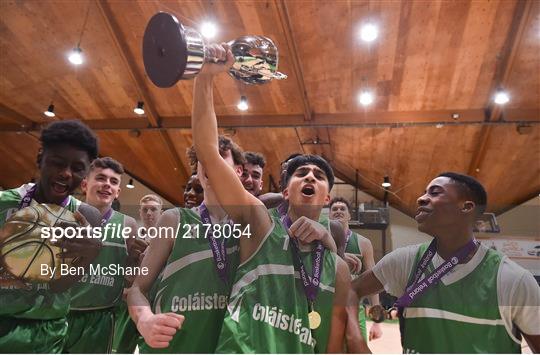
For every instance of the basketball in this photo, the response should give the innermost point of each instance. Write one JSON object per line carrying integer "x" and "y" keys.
{"x": 22, "y": 249}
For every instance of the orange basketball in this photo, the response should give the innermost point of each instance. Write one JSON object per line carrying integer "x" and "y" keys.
{"x": 23, "y": 251}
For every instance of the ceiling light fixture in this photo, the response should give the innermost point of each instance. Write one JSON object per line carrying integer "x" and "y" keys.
{"x": 386, "y": 183}
{"x": 501, "y": 97}
{"x": 130, "y": 184}
{"x": 50, "y": 111}
{"x": 243, "y": 104}
{"x": 75, "y": 56}
{"x": 366, "y": 98}
{"x": 139, "y": 110}
{"x": 208, "y": 30}
{"x": 369, "y": 32}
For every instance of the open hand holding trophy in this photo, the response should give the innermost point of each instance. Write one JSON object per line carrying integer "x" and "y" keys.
{"x": 173, "y": 52}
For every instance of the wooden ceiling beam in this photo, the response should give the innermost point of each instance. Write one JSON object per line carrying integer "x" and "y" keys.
{"x": 285, "y": 21}
{"x": 506, "y": 64}
{"x": 124, "y": 51}
{"x": 377, "y": 119}
{"x": 15, "y": 117}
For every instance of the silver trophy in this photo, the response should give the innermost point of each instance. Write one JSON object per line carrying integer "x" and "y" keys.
{"x": 173, "y": 52}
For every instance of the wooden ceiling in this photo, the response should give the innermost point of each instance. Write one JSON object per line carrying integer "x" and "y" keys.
{"x": 431, "y": 60}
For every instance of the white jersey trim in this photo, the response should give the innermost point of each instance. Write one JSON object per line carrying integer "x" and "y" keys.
{"x": 269, "y": 269}
{"x": 190, "y": 259}
{"x": 421, "y": 312}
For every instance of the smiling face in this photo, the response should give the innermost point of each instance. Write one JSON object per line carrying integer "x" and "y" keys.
{"x": 443, "y": 207}
{"x": 339, "y": 211}
{"x": 62, "y": 168}
{"x": 252, "y": 178}
{"x": 308, "y": 186}
{"x": 101, "y": 187}
{"x": 193, "y": 193}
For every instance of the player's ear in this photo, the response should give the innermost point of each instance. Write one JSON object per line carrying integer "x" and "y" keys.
{"x": 286, "y": 194}
{"x": 84, "y": 185}
{"x": 239, "y": 169}
{"x": 468, "y": 206}
{"x": 327, "y": 199}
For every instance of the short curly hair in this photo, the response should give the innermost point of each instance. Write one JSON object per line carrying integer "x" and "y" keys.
{"x": 71, "y": 132}
{"x": 225, "y": 144}
{"x": 342, "y": 200}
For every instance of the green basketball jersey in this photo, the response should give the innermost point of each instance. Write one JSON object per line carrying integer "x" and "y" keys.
{"x": 268, "y": 308}
{"x": 353, "y": 246}
{"x": 462, "y": 317}
{"x": 94, "y": 291}
{"x": 38, "y": 302}
{"x": 190, "y": 286}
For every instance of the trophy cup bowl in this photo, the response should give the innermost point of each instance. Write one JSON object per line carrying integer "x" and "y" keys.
{"x": 173, "y": 52}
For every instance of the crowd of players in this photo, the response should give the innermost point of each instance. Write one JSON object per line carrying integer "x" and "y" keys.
{"x": 292, "y": 284}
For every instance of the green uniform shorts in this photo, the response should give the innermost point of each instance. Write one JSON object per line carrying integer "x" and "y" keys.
{"x": 90, "y": 331}
{"x": 19, "y": 335}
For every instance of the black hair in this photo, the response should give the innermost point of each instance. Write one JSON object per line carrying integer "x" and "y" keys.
{"x": 292, "y": 156}
{"x": 306, "y": 159}
{"x": 471, "y": 188}
{"x": 342, "y": 200}
{"x": 255, "y": 158}
{"x": 72, "y": 132}
{"x": 107, "y": 163}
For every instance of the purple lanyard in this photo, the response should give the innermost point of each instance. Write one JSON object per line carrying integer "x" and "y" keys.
{"x": 415, "y": 289}
{"x": 27, "y": 199}
{"x": 219, "y": 251}
{"x": 106, "y": 217}
{"x": 310, "y": 283}
{"x": 349, "y": 233}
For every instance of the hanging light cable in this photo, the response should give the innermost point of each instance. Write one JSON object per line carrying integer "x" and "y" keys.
{"x": 75, "y": 56}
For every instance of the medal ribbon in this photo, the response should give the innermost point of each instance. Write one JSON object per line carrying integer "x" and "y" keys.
{"x": 310, "y": 283}
{"x": 27, "y": 199}
{"x": 415, "y": 289}
{"x": 106, "y": 217}
{"x": 217, "y": 245}
{"x": 349, "y": 233}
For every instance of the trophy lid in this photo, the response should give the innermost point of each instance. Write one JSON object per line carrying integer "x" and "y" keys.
{"x": 164, "y": 50}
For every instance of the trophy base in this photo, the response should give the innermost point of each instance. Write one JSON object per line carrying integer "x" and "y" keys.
{"x": 171, "y": 52}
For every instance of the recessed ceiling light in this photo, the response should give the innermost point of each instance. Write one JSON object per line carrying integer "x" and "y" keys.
{"x": 75, "y": 56}
{"x": 208, "y": 30}
{"x": 501, "y": 97}
{"x": 366, "y": 98}
{"x": 369, "y": 32}
{"x": 439, "y": 125}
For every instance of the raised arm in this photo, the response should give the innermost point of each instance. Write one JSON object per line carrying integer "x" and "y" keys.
{"x": 239, "y": 204}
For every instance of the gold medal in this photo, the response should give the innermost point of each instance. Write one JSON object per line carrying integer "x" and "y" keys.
{"x": 314, "y": 319}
